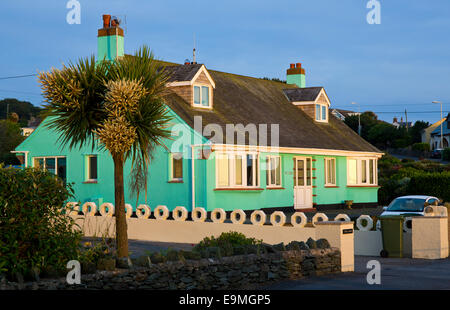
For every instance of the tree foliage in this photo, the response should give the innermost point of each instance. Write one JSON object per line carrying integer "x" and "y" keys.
{"x": 10, "y": 138}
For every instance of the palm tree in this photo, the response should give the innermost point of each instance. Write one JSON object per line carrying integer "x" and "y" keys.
{"x": 118, "y": 106}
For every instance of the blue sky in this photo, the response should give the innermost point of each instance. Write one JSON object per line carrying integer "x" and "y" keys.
{"x": 403, "y": 63}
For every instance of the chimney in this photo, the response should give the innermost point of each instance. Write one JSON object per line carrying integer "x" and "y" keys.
{"x": 395, "y": 120}
{"x": 296, "y": 75}
{"x": 110, "y": 42}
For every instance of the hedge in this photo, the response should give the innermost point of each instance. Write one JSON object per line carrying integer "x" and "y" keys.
{"x": 433, "y": 184}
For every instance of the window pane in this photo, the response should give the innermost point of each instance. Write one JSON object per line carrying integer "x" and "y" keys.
{"x": 177, "y": 166}
{"x": 92, "y": 167}
{"x": 39, "y": 163}
{"x": 205, "y": 96}
{"x": 308, "y": 171}
{"x": 363, "y": 171}
{"x": 250, "y": 168}
{"x": 352, "y": 171}
{"x": 278, "y": 171}
{"x": 196, "y": 95}
{"x": 62, "y": 168}
{"x": 50, "y": 165}
{"x": 300, "y": 173}
{"x": 317, "y": 112}
{"x": 371, "y": 172}
{"x": 222, "y": 162}
{"x": 333, "y": 171}
{"x": 238, "y": 169}
{"x": 324, "y": 113}
{"x": 273, "y": 167}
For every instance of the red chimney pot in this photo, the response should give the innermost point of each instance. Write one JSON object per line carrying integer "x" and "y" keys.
{"x": 106, "y": 21}
{"x": 299, "y": 65}
{"x": 292, "y": 66}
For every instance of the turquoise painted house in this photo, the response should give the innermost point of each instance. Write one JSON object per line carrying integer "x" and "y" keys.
{"x": 237, "y": 142}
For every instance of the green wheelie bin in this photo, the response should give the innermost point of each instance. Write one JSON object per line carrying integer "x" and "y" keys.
{"x": 392, "y": 232}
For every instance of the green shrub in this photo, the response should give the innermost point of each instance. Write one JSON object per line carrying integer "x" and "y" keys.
{"x": 433, "y": 184}
{"x": 35, "y": 234}
{"x": 226, "y": 242}
{"x": 446, "y": 154}
{"x": 424, "y": 147}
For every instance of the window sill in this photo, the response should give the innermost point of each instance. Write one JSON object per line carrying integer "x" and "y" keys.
{"x": 245, "y": 189}
{"x": 362, "y": 185}
{"x": 175, "y": 181}
{"x": 90, "y": 182}
{"x": 274, "y": 187}
{"x": 331, "y": 186}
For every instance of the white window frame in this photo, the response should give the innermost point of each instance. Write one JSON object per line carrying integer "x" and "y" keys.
{"x": 321, "y": 105}
{"x": 200, "y": 105}
{"x": 269, "y": 182}
{"x": 88, "y": 168}
{"x": 171, "y": 157}
{"x": 359, "y": 166}
{"x": 326, "y": 160}
{"x": 232, "y": 170}
{"x": 56, "y": 162}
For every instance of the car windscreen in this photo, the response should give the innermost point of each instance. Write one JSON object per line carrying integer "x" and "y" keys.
{"x": 407, "y": 204}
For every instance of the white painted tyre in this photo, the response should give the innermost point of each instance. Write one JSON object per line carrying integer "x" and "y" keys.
{"x": 318, "y": 216}
{"x": 146, "y": 211}
{"x": 180, "y": 214}
{"x": 199, "y": 214}
{"x": 89, "y": 208}
{"x": 161, "y": 213}
{"x": 280, "y": 215}
{"x": 235, "y": 214}
{"x": 405, "y": 224}
{"x": 369, "y": 225}
{"x": 107, "y": 209}
{"x": 218, "y": 215}
{"x": 342, "y": 217}
{"x": 128, "y": 210}
{"x": 255, "y": 215}
{"x": 303, "y": 219}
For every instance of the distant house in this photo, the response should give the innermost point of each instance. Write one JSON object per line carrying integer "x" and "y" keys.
{"x": 435, "y": 135}
{"x": 343, "y": 114}
{"x": 426, "y": 133}
{"x": 311, "y": 161}
{"x": 26, "y": 131}
{"x": 400, "y": 124}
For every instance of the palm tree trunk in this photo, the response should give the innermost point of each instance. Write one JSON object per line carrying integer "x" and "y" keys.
{"x": 119, "y": 196}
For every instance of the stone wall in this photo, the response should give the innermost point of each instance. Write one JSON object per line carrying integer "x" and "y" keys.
{"x": 235, "y": 272}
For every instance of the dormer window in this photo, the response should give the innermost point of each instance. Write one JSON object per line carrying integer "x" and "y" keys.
{"x": 201, "y": 96}
{"x": 321, "y": 112}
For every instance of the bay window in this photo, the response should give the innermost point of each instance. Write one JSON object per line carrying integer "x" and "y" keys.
{"x": 237, "y": 170}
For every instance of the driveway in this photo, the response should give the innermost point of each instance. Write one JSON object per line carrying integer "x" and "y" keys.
{"x": 396, "y": 274}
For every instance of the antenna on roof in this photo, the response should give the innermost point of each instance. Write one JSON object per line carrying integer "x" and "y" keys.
{"x": 193, "y": 52}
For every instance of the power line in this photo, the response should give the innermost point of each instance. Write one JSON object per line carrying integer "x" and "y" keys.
{"x": 16, "y": 76}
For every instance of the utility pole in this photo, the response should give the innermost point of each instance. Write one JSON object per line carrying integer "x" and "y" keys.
{"x": 406, "y": 117}
{"x": 7, "y": 111}
{"x": 442, "y": 136}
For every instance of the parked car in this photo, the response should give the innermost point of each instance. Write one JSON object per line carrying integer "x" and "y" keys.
{"x": 437, "y": 153}
{"x": 413, "y": 205}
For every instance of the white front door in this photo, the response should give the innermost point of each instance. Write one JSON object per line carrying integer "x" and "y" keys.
{"x": 302, "y": 183}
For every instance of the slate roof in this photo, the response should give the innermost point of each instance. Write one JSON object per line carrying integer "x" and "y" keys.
{"x": 246, "y": 100}
{"x": 183, "y": 72}
{"x": 302, "y": 94}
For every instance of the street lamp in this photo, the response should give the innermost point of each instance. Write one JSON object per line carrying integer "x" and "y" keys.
{"x": 442, "y": 137}
{"x": 359, "y": 117}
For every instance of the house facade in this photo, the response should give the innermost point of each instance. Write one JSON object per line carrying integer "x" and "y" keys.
{"x": 439, "y": 137}
{"x": 237, "y": 142}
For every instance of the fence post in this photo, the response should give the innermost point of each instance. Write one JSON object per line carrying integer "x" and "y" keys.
{"x": 430, "y": 237}
{"x": 340, "y": 235}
